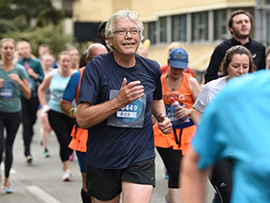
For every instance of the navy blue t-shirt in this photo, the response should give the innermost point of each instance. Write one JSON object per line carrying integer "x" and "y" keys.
{"x": 111, "y": 147}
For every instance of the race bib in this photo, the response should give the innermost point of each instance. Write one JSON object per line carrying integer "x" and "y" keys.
{"x": 129, "y": 116}
{"x": 176, "y": 123}
{"x": 56, "y": 97}
{"x": 7, "y": 91}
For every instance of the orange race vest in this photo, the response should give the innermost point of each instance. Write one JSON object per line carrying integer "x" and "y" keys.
{"x": 178, "y": 139}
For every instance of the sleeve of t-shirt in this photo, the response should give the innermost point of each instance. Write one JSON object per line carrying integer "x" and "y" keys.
{"x": 71, "y": 88}
{"x": 203, "y": 99}
{"x": 22, "y": 72}
{"x": 90, "y": 83}
{"x": 158, "y": 91}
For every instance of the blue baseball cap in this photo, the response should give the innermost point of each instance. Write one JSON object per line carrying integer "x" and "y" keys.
{"x": 178, "y": 58}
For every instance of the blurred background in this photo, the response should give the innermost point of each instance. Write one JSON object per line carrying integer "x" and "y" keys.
{"x": 198, "y": 24}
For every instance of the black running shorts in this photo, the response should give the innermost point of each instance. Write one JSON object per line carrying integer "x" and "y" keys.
{"x": 105, "y": 184}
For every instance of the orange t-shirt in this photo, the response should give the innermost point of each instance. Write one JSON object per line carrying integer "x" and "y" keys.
{"x": 184, "y": 96}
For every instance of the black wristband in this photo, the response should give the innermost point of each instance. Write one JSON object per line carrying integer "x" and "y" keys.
{"x": 162, "y": 114}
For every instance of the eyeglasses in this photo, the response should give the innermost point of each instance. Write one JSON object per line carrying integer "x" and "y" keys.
{"x": 124, "y": 32}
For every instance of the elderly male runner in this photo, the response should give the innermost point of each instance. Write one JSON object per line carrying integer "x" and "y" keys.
{"x": 119, "y": 92}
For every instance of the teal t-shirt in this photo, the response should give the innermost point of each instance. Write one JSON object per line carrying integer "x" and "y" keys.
{"x": 10, "y": 93}
{"x": 237, "y": 125}
{"x": 57, "y": 87}
{"x": 37, "y": 68}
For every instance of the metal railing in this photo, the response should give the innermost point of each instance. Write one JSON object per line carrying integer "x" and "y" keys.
{"x": 201, "y": 63}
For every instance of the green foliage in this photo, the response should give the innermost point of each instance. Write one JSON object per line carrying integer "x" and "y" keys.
{"x": 35, "y": 21}
{"x": 11, "y": 9}
{"x": 16, "y": 24}
{"x": 50, "y": 34}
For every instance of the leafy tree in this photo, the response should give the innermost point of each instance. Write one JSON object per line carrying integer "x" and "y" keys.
{"x": 28, "y": 10}
{"x": 35, "y": 21}
{"x": 51, "y": 35}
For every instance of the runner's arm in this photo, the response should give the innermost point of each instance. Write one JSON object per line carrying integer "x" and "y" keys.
{"x": 195, "y": 116}
{"x": 42, "y": 88}
{"x": 89, "y": 115}
{"x": 193, "y": 180}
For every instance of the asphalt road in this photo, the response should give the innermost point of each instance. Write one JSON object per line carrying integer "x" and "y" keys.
{"x": 41, "y": 181}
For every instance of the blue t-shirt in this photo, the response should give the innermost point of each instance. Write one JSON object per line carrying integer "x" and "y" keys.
{"x": 240, "y": 130}
{"x": 71, "y": 88}
{"x": 10, "y": 93}
{"x": 113, "y": 147}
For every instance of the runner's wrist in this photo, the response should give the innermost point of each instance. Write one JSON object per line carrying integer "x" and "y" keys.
{"x": 189, "y": 112}
{"x": 162, "y": 114}
{"x": 44, "y": 110}
{"x": 72, "y": 111}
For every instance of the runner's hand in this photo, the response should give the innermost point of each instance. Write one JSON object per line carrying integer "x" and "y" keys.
{"x": 164, "y": 124}
{"x": 130, "y": 92}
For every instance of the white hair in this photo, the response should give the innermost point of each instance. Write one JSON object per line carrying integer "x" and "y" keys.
{"x": 122, "y": 14}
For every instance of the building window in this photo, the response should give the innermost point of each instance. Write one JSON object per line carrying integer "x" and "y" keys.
{"x": 200, "y": 26}
{"x": 163, "y": 29}
{"x": 152, "y": 34}
{"x": 268, "y": 28}
{"x": 220, "y": 24}
{"x": 179, "y": 28}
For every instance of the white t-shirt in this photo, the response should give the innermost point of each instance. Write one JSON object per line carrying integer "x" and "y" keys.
{"x": 208, "y": 93}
